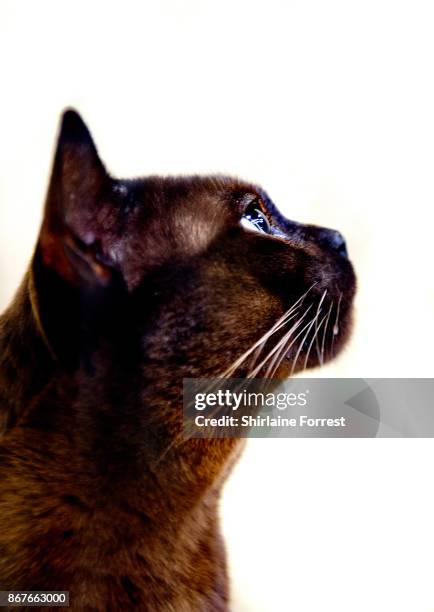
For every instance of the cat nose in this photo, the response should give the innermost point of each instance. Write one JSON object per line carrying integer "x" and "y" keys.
{"x": 334, "y": 240}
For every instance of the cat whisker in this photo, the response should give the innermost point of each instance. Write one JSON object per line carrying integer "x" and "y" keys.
{"x": 261, "y": 347}
{"x": 288, "y": 347}
{"x": 284, "y": 347}
{"x": 316, "y": 329}
{"x": 279, "y": 345}
{"x": 260, "y": 343}
{"x": 324, "y": 335}
{"x": 315, "y": 338}
{"x": 309, "y": 327}
{"x": 256, "y": 347}
{"x": 336, "y": 324}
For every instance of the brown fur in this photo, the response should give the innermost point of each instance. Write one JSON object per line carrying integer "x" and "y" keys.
{"x": 135, "y": 285}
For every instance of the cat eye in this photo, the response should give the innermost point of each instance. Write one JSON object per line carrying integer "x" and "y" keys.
{"x": 254, "y": 219}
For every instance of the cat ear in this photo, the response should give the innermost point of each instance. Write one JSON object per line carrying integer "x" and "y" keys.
{"x": 69, "y": 242}
{"x": 75, "y": 287}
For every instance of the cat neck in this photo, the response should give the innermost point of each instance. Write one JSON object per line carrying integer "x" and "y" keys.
{"x": 94, "y": 489}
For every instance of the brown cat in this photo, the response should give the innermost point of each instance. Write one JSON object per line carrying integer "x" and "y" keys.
{"x": 134, "y": 285}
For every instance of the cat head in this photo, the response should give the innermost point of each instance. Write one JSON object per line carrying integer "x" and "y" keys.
{"x": 199, "y": 276}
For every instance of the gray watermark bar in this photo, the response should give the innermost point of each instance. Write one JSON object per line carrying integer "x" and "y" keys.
{"x": 15, "y": 599}
{"x": 309, "y": 408}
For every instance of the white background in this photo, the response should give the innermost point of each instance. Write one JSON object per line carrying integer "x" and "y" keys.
{"x": 330, "y": 106}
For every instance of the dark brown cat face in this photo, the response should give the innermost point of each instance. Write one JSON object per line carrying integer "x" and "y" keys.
{"x": 202, "y": 275}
